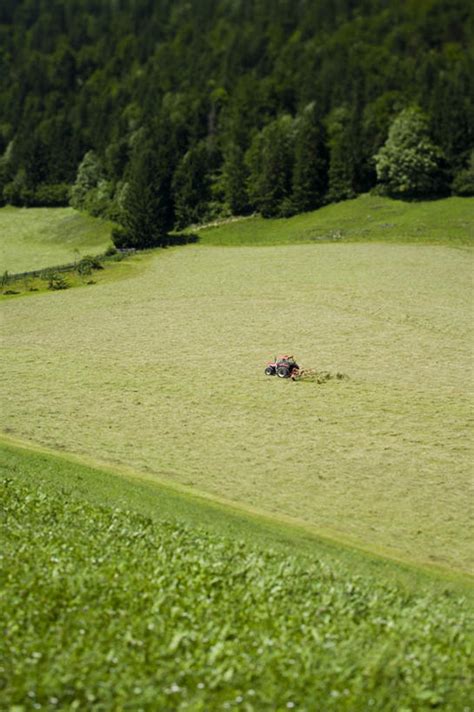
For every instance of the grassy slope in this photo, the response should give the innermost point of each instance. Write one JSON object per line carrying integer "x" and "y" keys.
{"x": 126, "y": 611}
{"x": 34, "y": 238}
{"x": 365, "y": 219}
{"x": 127, "y": 489}
{"x": 115, "y": 269}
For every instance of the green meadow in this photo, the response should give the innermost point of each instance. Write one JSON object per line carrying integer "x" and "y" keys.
{"x": 163, "y": 372}
{"x": 368, "y": 218}
{"x": 34, "y": 238}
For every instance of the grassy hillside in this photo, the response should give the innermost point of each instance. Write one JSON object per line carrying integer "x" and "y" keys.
{"x": 105, "y": 608}
{"x": 32, "y": 238}
{"x": 165, "y": 373}
{"x": 365, "y": 219}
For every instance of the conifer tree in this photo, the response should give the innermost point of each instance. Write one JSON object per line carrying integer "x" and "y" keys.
{"x": 148, "y": 210}
{"x": 310, "y": 173}
{"x": 235, "y": 174}
{"x": 192, "y": 186}
{"x": 270, "y": 162}
{"x": 341, "y": 161}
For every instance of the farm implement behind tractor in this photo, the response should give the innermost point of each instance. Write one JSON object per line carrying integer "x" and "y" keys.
{"x": 286, "y": 367}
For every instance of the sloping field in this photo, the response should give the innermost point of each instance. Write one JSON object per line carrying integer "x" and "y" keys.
{"x": 368, "y": 218}
{"x": 165, "y": 373}
{"x": 108, "y": 609}
{"x": 33, "y": 238}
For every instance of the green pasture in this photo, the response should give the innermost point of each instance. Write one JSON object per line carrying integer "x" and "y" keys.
{"x": 368, "y": 218}
{"x": 33, "y": 238}
{"x": 119, "y": 593}
{"x": 164, "y": 373}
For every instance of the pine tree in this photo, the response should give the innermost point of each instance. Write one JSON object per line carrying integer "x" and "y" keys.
{"x": 341, "y": 161}
{"x": 148, "y": 210}
{"x": 192, "y": 186}
{"x": 235, "y": 175}
{"x": 270, "y": 162}
{"x": 410, "y": 165}
{"x": 310, "y": 173}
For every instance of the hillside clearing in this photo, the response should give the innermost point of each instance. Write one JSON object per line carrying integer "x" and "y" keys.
{"x": 165, "y": 373}
{"x": 33, "y": 238}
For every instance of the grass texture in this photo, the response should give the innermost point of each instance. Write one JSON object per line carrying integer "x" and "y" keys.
{"x": 164, "y": 373}
{"x": 33, "y": 238}
{"x": 367, "y": 218}
{"x": 107, "y": 609}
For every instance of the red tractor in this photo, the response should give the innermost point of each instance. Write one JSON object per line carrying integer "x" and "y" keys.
{"x": 283, "y": 367}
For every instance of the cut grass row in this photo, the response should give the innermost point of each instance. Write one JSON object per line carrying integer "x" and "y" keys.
{"x": 104, "y": 608}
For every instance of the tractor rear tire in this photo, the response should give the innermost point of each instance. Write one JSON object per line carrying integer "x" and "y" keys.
{"x": 283, "y": 372}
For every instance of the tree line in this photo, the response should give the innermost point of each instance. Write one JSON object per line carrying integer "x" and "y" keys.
{"x": 164, "y": 114}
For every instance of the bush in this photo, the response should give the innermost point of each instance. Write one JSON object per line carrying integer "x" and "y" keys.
{"x": 87, "y": 264}
{"x": 56, "y": 281}
{"x": 18, "y": 192}
{"x": 120, "y": 238}
{"x": 51, "y": 195}
{"x": 463, "y": 183}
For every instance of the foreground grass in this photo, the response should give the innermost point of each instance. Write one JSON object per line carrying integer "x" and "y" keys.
{"x": 33, "y": 238}
{"x": 103, "y": 608}
{"x": 365, "y": 219}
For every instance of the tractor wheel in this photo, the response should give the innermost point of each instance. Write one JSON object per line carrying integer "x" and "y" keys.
{"x": 269, "y": 371}
{"x": 283, "y": 372}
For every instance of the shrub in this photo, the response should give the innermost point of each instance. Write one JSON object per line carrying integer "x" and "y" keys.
{"x": 463, "y": 183}
{"x": 51, "y": 195}
{"x": 56, "y": 281}
{"x": 87, "y": 264}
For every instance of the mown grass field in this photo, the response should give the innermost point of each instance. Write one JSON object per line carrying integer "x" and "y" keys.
{"x": 164, "y": 373}
{"x": 104, "y": 608}
{"x": 33, "y": 238}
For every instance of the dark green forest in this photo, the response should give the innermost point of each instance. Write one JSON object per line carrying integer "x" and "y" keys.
{"x": 166, "y": 113}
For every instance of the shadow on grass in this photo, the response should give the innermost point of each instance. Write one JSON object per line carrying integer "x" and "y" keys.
{"x": 184, "y": 238}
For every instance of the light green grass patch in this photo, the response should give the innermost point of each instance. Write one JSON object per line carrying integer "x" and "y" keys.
{"x": 113, "y": 270}
{"x": 33, "y": 238}
{"x": 364, "y": 219}
{"x": 165, "y": 373}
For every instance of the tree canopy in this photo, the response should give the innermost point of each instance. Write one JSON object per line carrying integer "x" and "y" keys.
{"x": 277, "y": 106}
